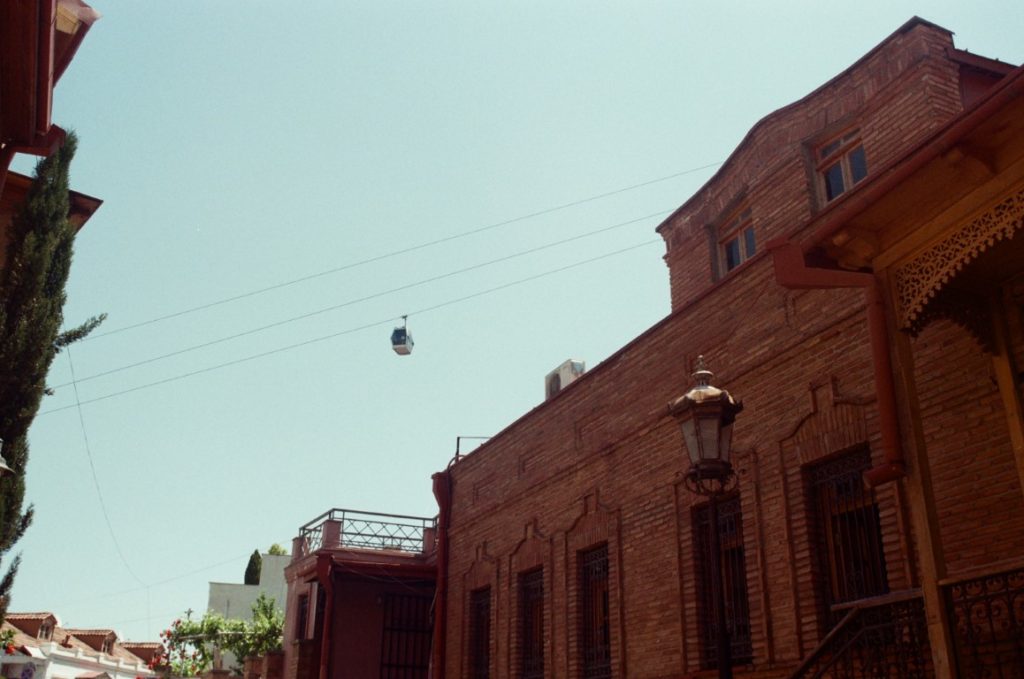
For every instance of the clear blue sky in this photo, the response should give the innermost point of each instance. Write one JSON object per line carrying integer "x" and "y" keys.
{"x": 240, "y": 145}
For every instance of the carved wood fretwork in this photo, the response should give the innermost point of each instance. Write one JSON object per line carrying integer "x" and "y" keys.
{"x": 970, "y": 312}
{"x": 921, "y": 283}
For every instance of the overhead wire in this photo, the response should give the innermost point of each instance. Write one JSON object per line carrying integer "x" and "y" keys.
{"x": 401, "y": 251}
{"x": 95, "y": 477}
{"x": 158, "y": 583}
{"x": 349, "y": 331}
{"x": 74, "y": 382}
{"x": 351, "y": 302}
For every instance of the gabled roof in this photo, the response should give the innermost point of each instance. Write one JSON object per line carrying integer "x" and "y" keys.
{"x": 95, "y": 638}
{"x": 30, "y": 623}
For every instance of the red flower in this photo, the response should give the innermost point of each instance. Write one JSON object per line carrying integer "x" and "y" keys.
{"x": 10, "y": 649}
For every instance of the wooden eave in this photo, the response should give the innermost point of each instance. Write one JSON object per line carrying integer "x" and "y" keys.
{"x": 83, "y": 206}
{"x": 33, "y": 55}
{"x": 978, "y": 62}
{"x": 960, "y": 170}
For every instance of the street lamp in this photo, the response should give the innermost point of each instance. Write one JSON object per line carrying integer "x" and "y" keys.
{"x": 705, "y": 415}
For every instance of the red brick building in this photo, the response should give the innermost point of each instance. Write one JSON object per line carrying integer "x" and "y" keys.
{"x": 360, "y": 596}
{"x": 875, "y": 336}
{"x": 855, "y": 274}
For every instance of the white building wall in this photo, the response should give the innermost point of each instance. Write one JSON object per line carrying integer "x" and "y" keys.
{"x": 234, "y": 600}
{"x": 64, "y": 663}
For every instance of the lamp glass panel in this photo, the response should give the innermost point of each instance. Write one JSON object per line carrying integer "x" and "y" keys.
{"x": 727, "y": 443}
{"x": 689, "y": 428}
{"x": 708, "y": 424}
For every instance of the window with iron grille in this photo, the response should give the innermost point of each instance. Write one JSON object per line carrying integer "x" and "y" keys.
{"x": 531, "y": 625}
{"x": 595, "y": 630}
{"x": 848, "y": 531}
{"x": 405, "y": 638}
{"x": 480, "y": 633}
{"x": 734, "y": 582}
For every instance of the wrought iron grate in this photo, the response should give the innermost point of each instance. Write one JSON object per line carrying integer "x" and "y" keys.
{"x": 849, "y": 533}
{"x": 406, "y": 636}
{"x": 734, "y": 582}
{"x": 531, "y": 625}
{"x": 480, "y": 633}
{"x": 595, "y": 637}
{"x": 370, "y": 530}
{"x": 987, "y": 615}
{"x": 884, "y": 638}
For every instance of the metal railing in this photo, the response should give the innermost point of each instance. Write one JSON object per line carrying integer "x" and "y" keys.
{"x": 882, "y": 637}
{"x": 987, "y": 619}
{"x": 369, "y": 530}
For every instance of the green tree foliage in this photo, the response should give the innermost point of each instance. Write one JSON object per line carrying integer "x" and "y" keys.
{"x": 252, "y": 570}
{"x": 263, "y": 634}
{"x": 277, "y": 550}
{"x": 31, "y": 314}
{"x": 189, "y": 645}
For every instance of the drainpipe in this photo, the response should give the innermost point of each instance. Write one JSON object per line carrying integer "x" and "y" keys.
{"x": 323, "y": 577}
{"x": 443, "y": 494}
{"x": 791, "y": 271}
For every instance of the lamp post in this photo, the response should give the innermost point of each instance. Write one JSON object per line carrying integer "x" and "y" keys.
{"x": 705, "y": 415}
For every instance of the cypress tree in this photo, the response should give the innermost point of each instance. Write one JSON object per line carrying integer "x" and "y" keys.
{"x": 31, "y": 314}
{"x": 252, "y": 570}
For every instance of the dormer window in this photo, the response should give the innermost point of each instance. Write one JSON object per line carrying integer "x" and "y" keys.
{"x": 107, "y": 646}
{"x": 841, "y": 164}
{"x": 737, "y": 242}
{"x": 46, "y": 631}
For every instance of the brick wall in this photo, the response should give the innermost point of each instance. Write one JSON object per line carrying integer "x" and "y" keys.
{"x": 602, "y": 462}
{"x": 978, "y": 495}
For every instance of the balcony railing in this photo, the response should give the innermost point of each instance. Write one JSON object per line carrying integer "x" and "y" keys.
{"x": 368, "y": 530}
{"x": 886, "y": 636}
{"x": 987, "y": 617}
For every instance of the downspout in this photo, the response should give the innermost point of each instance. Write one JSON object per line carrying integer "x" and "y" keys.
{"x": 791, "y": 271}
{"x": 443, "y": 494}
{"x": 323, "y": 578}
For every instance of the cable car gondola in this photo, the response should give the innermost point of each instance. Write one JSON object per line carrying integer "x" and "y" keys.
{"x": 401, "y": 339}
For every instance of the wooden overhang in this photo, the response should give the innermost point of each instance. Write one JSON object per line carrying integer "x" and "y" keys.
{"x": 969, "y": 163}
{"x": 38, "y": 39}
{"x": 82, "y": 206}
{"x": 941, "y": 221}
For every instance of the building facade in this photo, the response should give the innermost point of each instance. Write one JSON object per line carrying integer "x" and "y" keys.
{"x": 852, "y": 272}
{"x": 40, "y": 648}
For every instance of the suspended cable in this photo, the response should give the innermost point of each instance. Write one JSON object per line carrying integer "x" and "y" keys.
{"x": 395, "y": 253}
{"x": 351, "y": 302}
{"x": 349, "y": 331}
{"x": 158, "y": 583}
{"x": 95, "y": 477}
